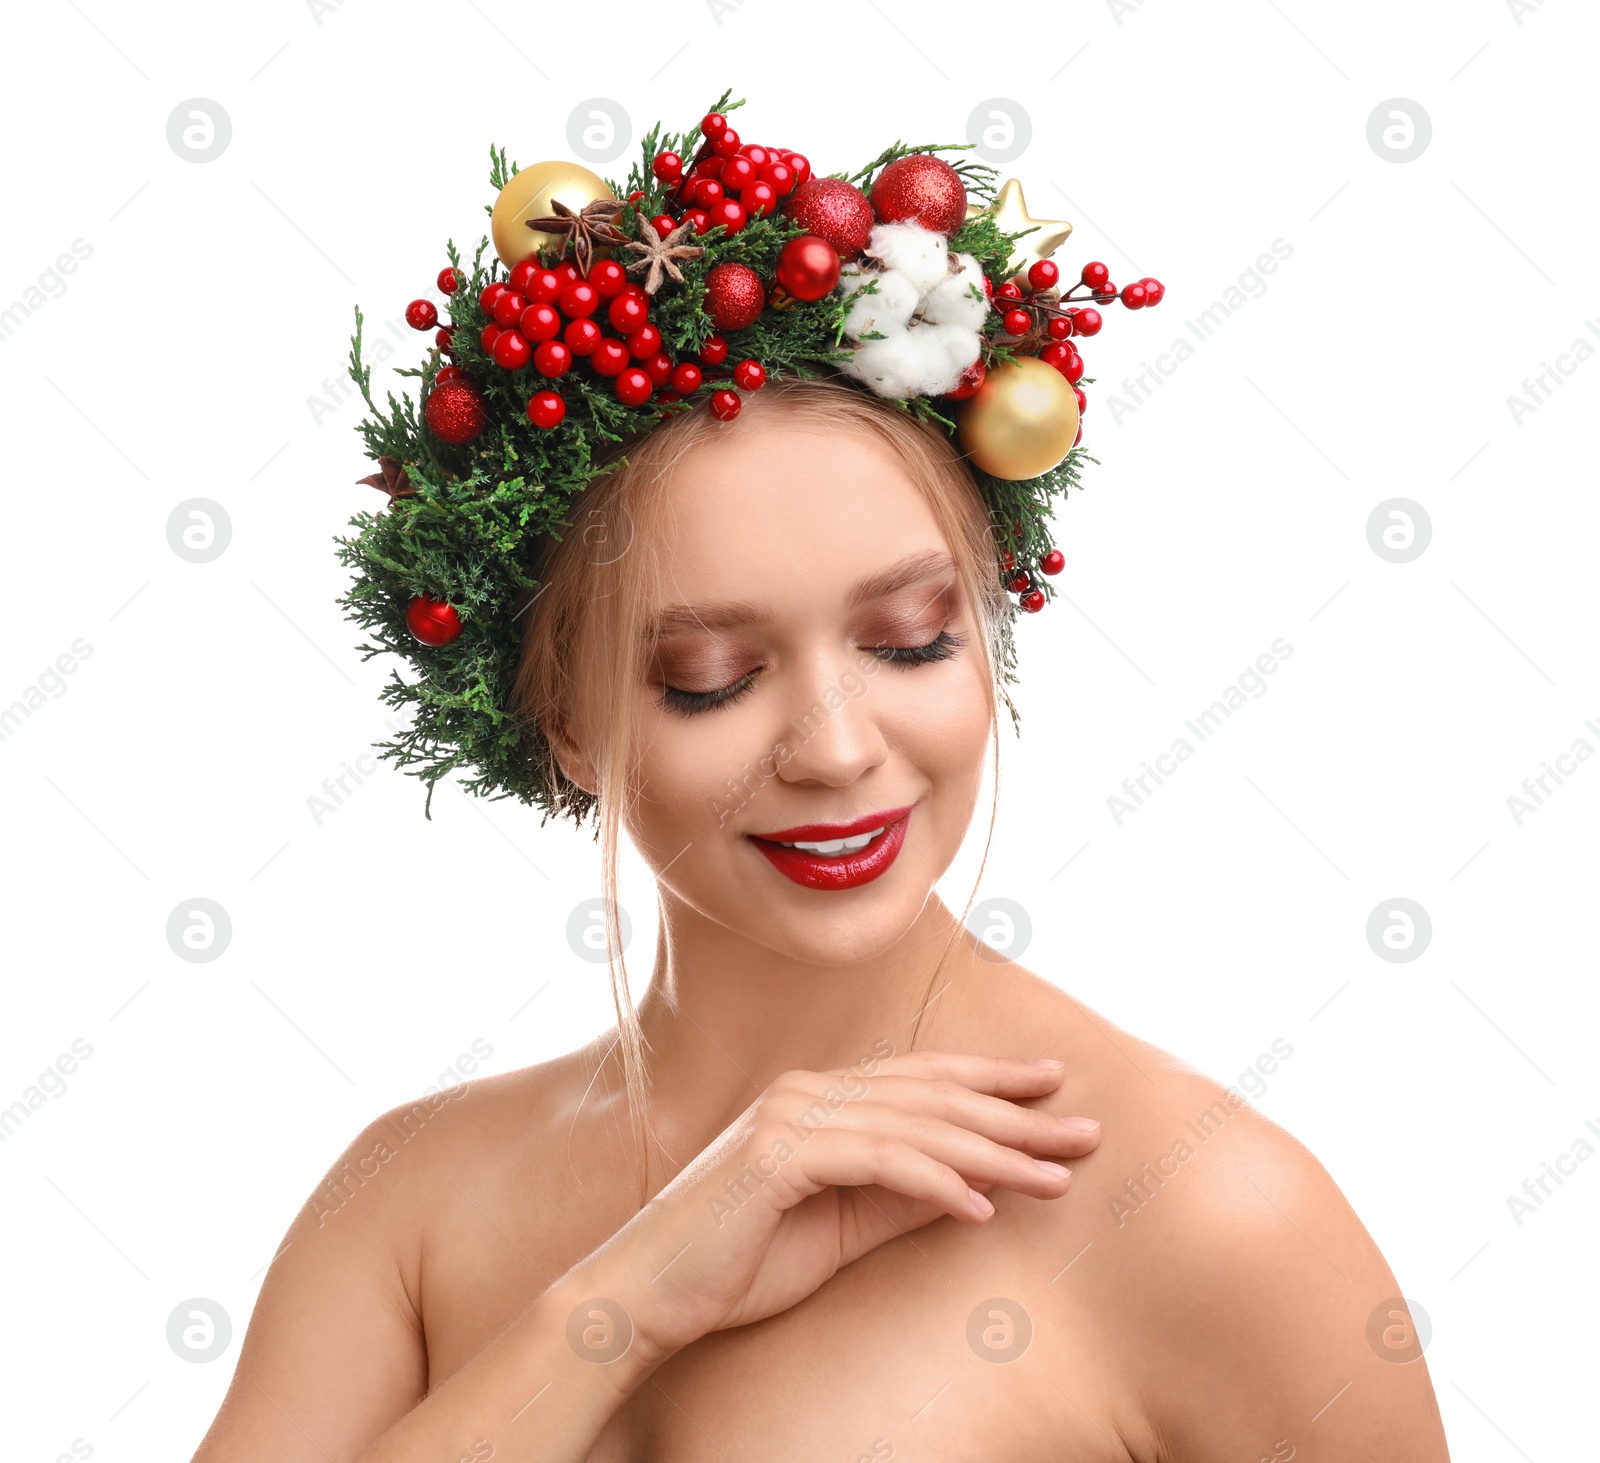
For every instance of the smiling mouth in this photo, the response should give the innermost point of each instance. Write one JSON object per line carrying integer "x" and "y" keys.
{"x": 833, "y": 847}
{"x": 838, "y": 855}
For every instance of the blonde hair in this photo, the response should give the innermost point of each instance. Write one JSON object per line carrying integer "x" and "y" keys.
{"x": 599, "y": 583}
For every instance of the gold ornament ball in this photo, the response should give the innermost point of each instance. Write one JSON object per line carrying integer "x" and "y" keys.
{"x": 1021, "y": 421}
{"x": 529, "y": 195}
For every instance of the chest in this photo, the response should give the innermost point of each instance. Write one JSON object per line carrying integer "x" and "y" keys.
{"x": 951, "y": 1343}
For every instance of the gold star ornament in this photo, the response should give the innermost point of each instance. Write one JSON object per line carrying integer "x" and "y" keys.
{"x": 1010, "y": 214}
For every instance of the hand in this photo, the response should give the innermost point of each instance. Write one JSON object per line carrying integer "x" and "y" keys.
{"x": 823, "y": 1167}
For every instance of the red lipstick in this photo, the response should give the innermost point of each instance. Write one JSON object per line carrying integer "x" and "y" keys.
{"x": 841, "y": 870}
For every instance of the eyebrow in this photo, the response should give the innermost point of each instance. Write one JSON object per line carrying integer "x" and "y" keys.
{"x": 730, "y": 614}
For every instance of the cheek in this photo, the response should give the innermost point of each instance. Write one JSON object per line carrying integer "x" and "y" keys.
{"x": 689, "y": 774}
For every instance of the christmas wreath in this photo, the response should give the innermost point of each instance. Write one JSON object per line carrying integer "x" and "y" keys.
{"x": 606, "y": 309}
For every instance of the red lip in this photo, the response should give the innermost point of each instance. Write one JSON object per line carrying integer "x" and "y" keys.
{"x": 819, "y": 871}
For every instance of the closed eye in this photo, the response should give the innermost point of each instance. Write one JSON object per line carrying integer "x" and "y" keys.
{"x": 691, "y": 703}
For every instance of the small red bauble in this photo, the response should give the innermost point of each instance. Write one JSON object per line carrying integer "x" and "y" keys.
{"x": 610, "y": 357}
{"x": 539, "y": 322}
{"x": 726, "y": 145}
{"x": 706, "y": 192}
{"x": 668, "y": 167}
{"x": 544, "y": 287}
{"x": 444, "y": 337}
{"x": 1095, "y": 275}
{"x": 487, "y": 337}
{"x": 455, "y": 413}
{"x": 633, "y": 386}
{"x": 713, "y": 125}
{"x": 758, "y": 155}
{"x": 508, "y": 308}
{"x": 522, "y": 275}
{"x": 759, "y": 199}
{"x": 749, "y": 376}
{"x": 1059, "y": 327}
{"x": 546, "y": 409}
{"x": 971, "y": 379}
{"x": 1016, "y": 322}
{"x": 834, "y": 210}
{"x": 1079, "y": 437}
{"x": 658, "y": 368}
{"x": 808, "y": 267}
{"x": 643, "y": 342}
{"x": 663, "y": 224}
{"x": 511, "y": 350}
{"x": 1083, "y": 401}
{"x": 686, "y": 378}
{"x": 1043, "y": 275}
{"x": 1087, "y": 321}
{"x": 724, "y": 405}
{"x": 1022, "y": 583}
{"x": 581, "y": 336}
{"x": 734, "y": 296}
{"x": 728, "y": 212}
{"x": 1010, "y": 290}
{"x": 1073, "y": 370}
{"x": 737, "y": 174}
{"x": 578, "y": 299}
{"x": 1135, "y": 296}
{"x": 1033, "y": 601}
{"x": 801, "y": 166}
{"x": 1058, "y": 354}
{"x": 488, "y": 295}
{"x": 627, "y": 314}
{"x": 552, "y": 358}
{"x": 1053, "y": 562}
{"x": 780, "y": 176}
{"x": 608, "y": 277}
{"x": 921, "y": 189}
{"x": 1154, "y": 291}
{"x": 698, "y": 219}
{"x": 432, "y": 621}
{"x": 447, "y": 373}
{"x": 568, "y": 271}
{"x": 447, "y": 281}
{"x": 714, "y": 352}
{"x": 420, "y": 315}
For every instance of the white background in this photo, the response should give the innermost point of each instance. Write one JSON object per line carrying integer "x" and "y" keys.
{"x": 185, "y": 359}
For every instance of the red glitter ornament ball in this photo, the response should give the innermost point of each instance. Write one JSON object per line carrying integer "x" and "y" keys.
{"x": 432, "y": 621}
{"x": 921, "y": 189}
{"x": 734, "y": 296}
{"x": 834, "y": 210}
{"x": 455, "y": 413}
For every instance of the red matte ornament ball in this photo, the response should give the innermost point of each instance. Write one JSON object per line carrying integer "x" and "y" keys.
{"x": 421, "y": 315}
{"x": 447, "y": 281}
{"x": 512, "y": 350}
{"x": 724, "y": 405}
{"x": 546, "y": 409}
{"x": 633, "y": 387}
{"x": 610, "y": 357}
{"x": 808, "y": 267}
{"x": 1053, "y": 562}
{"x": 834, "y": 210}
{"x": 608, "y": 278}
{"x": 749, "y": 376}
{"x": 455, "y": 413}
{"x": 508, "y": 308}
{"x": 432, "y": 621}
{"x": 921, "y": 189}
{"x": 627, "y": 313}
{"x": 551, "y": 358}
{"x": 1043, "y": 274}
{"x": 540, "y": 322}
{"x": 714, "y": 352}
{"x": 734, "y": 296}
{"x": 686, "y": 378}
{"x": 581, "y": 337}
{"x": 645, "y": 341}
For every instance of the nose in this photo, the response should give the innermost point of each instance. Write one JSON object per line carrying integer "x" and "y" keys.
{"x": 832, "y": 727}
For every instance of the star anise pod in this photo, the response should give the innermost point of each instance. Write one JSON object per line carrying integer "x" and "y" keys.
{"x": 660, "y": 255}
{"x": 584, "y": 228}
{"x": 392, "y": 478}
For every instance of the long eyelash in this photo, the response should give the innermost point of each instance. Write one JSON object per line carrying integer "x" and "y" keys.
{"x": 691, "y": 703}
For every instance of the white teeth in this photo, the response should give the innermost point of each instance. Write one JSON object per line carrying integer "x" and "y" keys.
{"x": 836, "y": 845}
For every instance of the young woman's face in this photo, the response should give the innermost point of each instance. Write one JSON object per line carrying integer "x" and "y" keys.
{"x": 820, "y": 665}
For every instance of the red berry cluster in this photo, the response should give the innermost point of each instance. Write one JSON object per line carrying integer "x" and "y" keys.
{"x": 728, "y": 182}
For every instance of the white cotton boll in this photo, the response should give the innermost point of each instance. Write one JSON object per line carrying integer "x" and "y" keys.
{"x": 923, "y": 360}
{"x": 921, "y": 255}
{"x": 887, "y": 308}
{"x": 952, "y": 302}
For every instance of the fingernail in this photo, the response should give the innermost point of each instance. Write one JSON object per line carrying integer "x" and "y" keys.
{"x": 1052, "y": 1168}
{"x": 1085, "y": 1126}
{"x": 1050, "y": 1062}
{"x": 980, "y": 1203}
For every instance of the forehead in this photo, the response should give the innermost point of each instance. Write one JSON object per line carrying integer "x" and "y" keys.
{"x": 781, "y": 507}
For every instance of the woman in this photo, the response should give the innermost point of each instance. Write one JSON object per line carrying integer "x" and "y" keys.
{"x": 857, "y": 1240}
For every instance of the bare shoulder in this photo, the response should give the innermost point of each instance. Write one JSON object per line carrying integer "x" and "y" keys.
{"x": 1244, "y": 1299}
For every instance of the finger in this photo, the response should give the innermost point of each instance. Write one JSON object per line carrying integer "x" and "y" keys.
{"x": 995, "y": 1117}
{"x": 843, "y": 1157}
{"x": 997, "y": 1076}
{"x": 972, "y": 1155}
